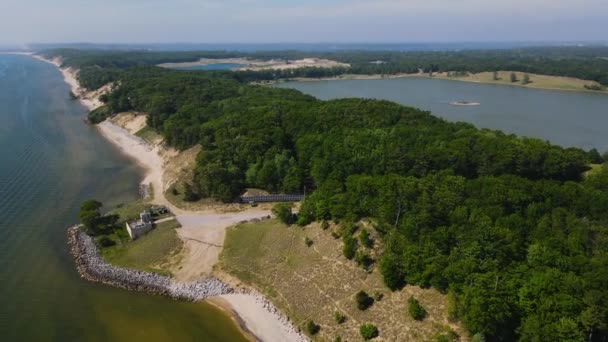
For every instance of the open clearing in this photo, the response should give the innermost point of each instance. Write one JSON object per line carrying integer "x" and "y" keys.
{"x": 537, "y": 81}
{"x": 314, "y": 282}
{"x": 150, "y": 252}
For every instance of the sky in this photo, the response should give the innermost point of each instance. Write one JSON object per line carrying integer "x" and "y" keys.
{"x": 312, "y": 21}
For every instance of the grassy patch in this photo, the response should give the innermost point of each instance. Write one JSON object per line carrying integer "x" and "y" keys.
{"x": 150, "y": 252}
{"x": 130, "y": 211}
{"x": 313, "y": 283}
{"x": 536, "y": 81}
{"x": 595, "y": 168}
{"x": 149, "y": 135}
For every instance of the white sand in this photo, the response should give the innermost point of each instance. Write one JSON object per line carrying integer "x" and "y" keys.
{"x": 145, "y": 155}
{"x": 203, "y": 232}
{"x": 90, "y": 99}
{"x": 262, "y": 319}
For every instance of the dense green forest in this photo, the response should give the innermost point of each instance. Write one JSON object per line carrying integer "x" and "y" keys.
{"x": 508, "y": 227}
{"x": 581, "y": 62}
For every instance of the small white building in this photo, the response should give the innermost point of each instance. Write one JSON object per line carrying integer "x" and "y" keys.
{"x": 141, "y": 226}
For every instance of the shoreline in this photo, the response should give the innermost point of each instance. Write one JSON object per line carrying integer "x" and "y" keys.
{"x": 254, "y": 315}
{"x": 346, "y": 77}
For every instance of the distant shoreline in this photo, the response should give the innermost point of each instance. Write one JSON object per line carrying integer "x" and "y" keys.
{"x": 440, "y": 77}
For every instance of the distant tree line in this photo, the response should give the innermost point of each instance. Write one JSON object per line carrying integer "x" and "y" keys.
{"x": 589, "y": 63}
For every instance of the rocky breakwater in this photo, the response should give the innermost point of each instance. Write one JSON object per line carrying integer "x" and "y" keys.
{"x": 92, "y": 267}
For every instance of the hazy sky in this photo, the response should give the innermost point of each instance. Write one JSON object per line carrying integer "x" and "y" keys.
{"x": 120, "y": 21}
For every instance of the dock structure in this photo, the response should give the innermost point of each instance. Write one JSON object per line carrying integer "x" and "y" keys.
{"x": 271, "y": 198}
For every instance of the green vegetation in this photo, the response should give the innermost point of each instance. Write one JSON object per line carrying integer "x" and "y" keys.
{"x": 308, "y": 241}
{"x": 148, "y": 253}
{"x": 526, "y": 79}
{"x": 365, "y": 240}
{"x": 513, "y": 77}
{"x": 312, "y": 328}
{"x": 364, "y": 301}
{"x": 94, "y": 222}
{"x": 271, "y": 257}
{"x": 415, "y": 310}
{"x": 595, "y": 87}
{"x": 339, "y": 317}
{"x": 100, "y": 114}
{"x": 350, "y": 246}
{"x": 148, "y": 134}
{"x": 508, "y": 225}
{"x": 368, "y": 331}
{"x": 283, "y": 211}
{"x": 101, "y": 67}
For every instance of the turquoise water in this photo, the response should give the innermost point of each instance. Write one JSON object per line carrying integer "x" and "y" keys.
{"x": 50, "y": 161}
{"x": 563, "y": 117}
{"x": 216, "y": 66}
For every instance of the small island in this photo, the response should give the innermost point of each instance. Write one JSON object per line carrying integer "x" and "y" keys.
{"x": 464, "y": 103}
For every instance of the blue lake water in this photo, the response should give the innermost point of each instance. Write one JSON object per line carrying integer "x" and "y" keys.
{"x": 566, "y": 118}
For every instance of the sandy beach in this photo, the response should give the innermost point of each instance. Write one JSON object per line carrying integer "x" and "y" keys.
{"x": 203, "y": 232}
{"x": 203, "y": 235}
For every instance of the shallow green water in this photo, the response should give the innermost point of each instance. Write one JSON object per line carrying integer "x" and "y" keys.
{"x": 49, "y": 162}
{"x": 563, "y": 117}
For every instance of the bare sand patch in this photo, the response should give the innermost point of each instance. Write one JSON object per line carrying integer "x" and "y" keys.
{"x": 203, "y": 236}
{"x": 251, "y": 64}
{"x": 132, "y": 122}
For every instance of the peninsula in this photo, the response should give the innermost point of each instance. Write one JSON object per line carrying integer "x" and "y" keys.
{"x": 413, "y": 228}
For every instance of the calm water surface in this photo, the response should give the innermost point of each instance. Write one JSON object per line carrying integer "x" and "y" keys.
{"x": 50, "y": 162}
{"x": 566, "y": 118}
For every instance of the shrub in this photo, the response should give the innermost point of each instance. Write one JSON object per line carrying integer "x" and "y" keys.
{"x": 174, "y": 191}
{"x": 350, "y": 247}
{"x": 479, "y": 337}
{"x": 189, "y": 194}
{"x": 308, "y": 242}
{"x": 416, "y": 310}
{"x": 365, "y": 240}
{"x": 100, "y": 114}
{"x": 105, "y": 241}
{"x": 337, "y": 339}
{"x": 312, "y": 328}
{"x": 324, "y": 225}
{"x": 594, "y": 87}
{"x": 378, "y": 296}
{"x": 364, "y": 301}
{"x": 339, "y": 317}
{"x": 449, "y": 336}
{"x": 368, "y": 331}
{"x": 283, "y": 212}
{"x": 363, "y": 259}
{"x": 335, "y": 235}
